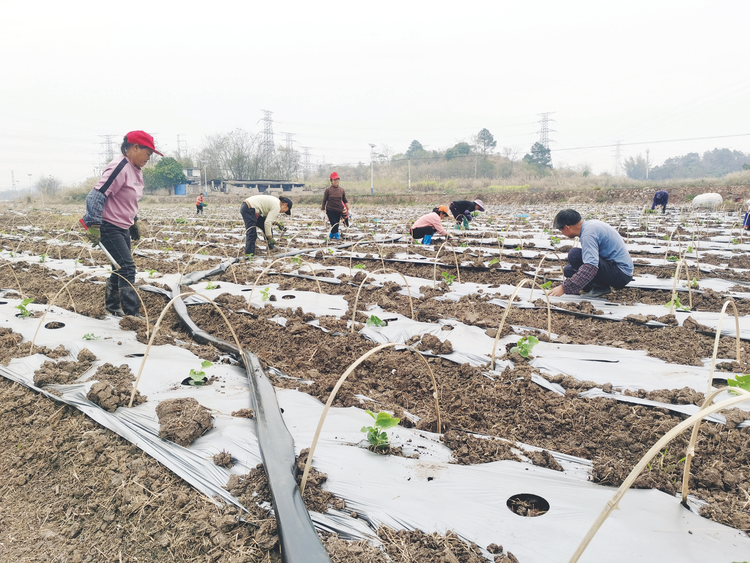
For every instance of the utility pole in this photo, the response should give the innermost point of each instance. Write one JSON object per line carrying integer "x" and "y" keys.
{"x": 268, "y": 153}
{"x": 408, "y": 187}
{"x": 372, "y": 174}
{"x": 616, "y": 166}
{"x": 544, "y": 129}
{"x": 306, "y": 163}
{"x": 108, "y": 152}
{"x": 13, "y": 184}
{"x": 179, "y": 147}
{"x": 648, "y": 161}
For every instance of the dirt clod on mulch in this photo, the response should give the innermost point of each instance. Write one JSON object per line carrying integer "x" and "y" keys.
{"x": 244, "y": 413}
{"x": 182, "y": 421}
{"x": 113, "y": 387}
{"x": 63, "y": 372}
{"x": 224, "y": 459}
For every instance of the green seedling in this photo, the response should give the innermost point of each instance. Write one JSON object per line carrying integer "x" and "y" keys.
{"x": 546, "y": 285}
{"x": 677, "y": 304}
{"x": 330, "y": 250}
{"x": 90, "y": 336}
{"x": 43, "y": 257}
{"x": 376, "y": 434}
{"x": 475, "y": 213}
{"x": 297, "y": 261}
{"x": 265, "y": 294}
{"x": 525, "y": 345}
{"x": 448, "y": 278}
{"x": 741, "y": 381}
{"x": 211, "y": 285}
{"x": 204, "y": 252}
{"x": 734, "y": 241}
{"x": 494, "y": 261}
{"x": 464, "y": 244}
{"x": 694, "y": 283}
{"x": 689, "y": 249}
{"x": 518, "y": 248}
{"x": 500, "y": 241}
{"x": 249, "y": 257}
{"x": 22, "y": 307}
{"x": 152, "y": 273}
{"x": 376, "y": 321}
{"x": 197, "y": 376}
{"x": 665, "y": 237}
{"x": 180, "y": 220}
{"x": 554, "y": 240}
{"x": 673, "y": 258}
{"x": 360, "y": 267}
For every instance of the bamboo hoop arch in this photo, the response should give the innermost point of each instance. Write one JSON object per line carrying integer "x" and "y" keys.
{"x": 507, "y": 310}
{"x": 694, "y": 437}
{"x": 455, "y": 259}
{"x": 387, "y": 270}
{"x": 18, "y": 283}
{"x": 718, "y": 335}
{"x": 336, "y": 388}
{"x": 536, "y": 273}
{"x": 49, "y": 306}
{"x": 614, "y": 501}
{"x": 250, "y": 299}
{"x": 681, "y": 263}
{"x": 156, "y": 329}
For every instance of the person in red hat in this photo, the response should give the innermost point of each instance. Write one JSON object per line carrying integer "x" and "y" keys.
{"x": 334, "y": 205}
{"x": 111, "y": 218}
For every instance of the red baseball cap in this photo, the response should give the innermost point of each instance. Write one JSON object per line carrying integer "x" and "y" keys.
{"x": 335, "y": 176}
{"x": 142, "y": 139}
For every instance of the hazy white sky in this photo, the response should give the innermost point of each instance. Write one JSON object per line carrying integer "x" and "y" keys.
{"x": 340, "y": 75}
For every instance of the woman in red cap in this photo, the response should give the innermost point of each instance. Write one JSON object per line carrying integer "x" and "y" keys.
{"x": 112, "y": 214}
{"x": 334, "y": 200}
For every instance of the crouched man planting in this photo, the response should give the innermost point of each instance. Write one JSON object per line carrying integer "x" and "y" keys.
{"x": 602, "y": 262}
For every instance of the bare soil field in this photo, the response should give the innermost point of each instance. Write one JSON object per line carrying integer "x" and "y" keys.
{"x": 75, "y": 491}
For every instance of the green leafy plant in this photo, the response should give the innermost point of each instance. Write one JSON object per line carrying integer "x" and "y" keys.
{"x": 448, "y": 278}
{"x": 494, "y": 261}
{"x": 665, "y": 237}
{"x": 249, "y": 257}
{"x": 180, "y": 220}
{"x": 546, "y": 285}
{"x": 376, "y": 321}
{"x": 734, "y": 241}
{"x": 694, "y": 283}
{"x": 22, "y": 307}
{"x": 204, "y": 252}
{"x": 43, "y": 257}
{"x": 329, "y": 250}
{"x": 265, "y": 294}
{"x": 360, "y": 267}
{"x": 90, "y": 336}
{"x": 525, "y": 345}
{"x": 689, "y": 249}
{"x": 197, "y": 376}
{"x": 673, "y": 258}
{"x": 152, "y": 273}
{"x": 376, "y": 434}
{"x": 211, "y": 285}
{"x": 555, "y": 240}
{"x": 677, "y": 304}
{"x": 464, "y": 244}
{"x": 297, "y": 261}
{"x": 741, "y": 381}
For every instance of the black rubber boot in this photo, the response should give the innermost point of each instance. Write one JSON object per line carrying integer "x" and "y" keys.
{"x": 131, "y": 305}
{"x": 112, "y": 298}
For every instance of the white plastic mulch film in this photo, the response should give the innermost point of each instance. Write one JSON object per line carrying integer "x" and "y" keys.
{"x": 428, "y": 493}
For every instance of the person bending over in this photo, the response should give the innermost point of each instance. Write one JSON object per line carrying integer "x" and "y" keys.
{"x": 259, "y": 212}
{"x": 427, "y": 225}
{"x": 660, "y": 198}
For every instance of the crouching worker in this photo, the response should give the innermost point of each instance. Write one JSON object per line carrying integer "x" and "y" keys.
{"x": 260, "y": 212}
{"x": 602, "y": 262}
{"x": 427, "y": 225}
{"x": 462, "y": 210}
{"x": 111, "y": 218}
{"x": 660, "y": 198}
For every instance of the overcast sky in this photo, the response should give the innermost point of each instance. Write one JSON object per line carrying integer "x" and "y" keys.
{"x": 341, "y": 75}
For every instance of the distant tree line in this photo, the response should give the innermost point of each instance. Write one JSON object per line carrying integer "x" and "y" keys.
{"x": 712, "y": 164}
